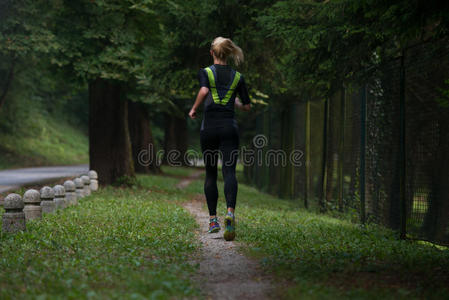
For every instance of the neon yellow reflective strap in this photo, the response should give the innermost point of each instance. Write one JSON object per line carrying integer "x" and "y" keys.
{"x": 232, "y": 88}
{"x": 213, "y": 88}
{"x": 214, "y": 91}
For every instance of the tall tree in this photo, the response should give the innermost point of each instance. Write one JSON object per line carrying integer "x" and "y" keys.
{"x": 142, "y": 142}
{"x": 103, "y": 43}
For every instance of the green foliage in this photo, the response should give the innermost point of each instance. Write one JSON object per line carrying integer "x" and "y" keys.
{"x": 43, "y": 120}
{"x": 43, "y": 117}
{"x": 117, "y": 243}
{"x": 21, "y": 32}
{"x": 42, "y": 140}
{"x": 327, "y": 43}
{"x": 99, "y": 39}
{"x": 88, "y": 39}
{"x": 293, "y": 48}
{"x": 186, "y": 31}
{"x": 443, "y": 101}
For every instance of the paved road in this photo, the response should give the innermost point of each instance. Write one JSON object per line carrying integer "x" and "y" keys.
{"x": 12, "y": 179}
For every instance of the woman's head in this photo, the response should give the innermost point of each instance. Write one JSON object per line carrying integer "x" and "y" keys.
{"x": 224, "y": 48}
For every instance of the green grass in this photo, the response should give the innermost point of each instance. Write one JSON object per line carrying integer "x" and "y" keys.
{"x": 118, "y": 243}
{"x": 44, "y": 141}
{"x": 136, "y": 243}
{"x": 328, "y": 258}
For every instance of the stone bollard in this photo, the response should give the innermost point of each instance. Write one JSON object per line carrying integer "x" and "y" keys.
{"x": 79, "y": 188}
{"x": 33, "y": 209}
{"x": 47, "y": 203}
{"x": 70, "y": 194}
{"x": 86, "y": 182}
{"x": 93, "y": 180}
{"x": 59, "y": 197}
{"x": 14, "y": 217}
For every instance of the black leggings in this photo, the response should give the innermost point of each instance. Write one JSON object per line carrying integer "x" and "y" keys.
{"x": 224, "y": 140}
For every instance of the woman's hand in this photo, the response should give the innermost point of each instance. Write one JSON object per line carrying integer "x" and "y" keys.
{"x": 238, "y": 103}
{"x": 192, "y": 113}
{"x": 199, "y": 98}
{"x": 243, "y": 107}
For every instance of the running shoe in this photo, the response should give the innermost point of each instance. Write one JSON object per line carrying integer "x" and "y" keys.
{"x": 213, "y": 225}
{"x": 229, "y": 233}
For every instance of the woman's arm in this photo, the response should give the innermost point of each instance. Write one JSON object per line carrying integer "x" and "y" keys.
{"x": 241, "y": 106}
{"x": 199, "y": 99}
{"x": 243, "y": 103}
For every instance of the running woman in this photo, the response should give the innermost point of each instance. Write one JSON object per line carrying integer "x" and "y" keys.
{"x": 219, "y": 86}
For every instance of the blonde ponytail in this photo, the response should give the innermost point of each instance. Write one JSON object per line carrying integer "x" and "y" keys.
{"x": 224, "y": 48}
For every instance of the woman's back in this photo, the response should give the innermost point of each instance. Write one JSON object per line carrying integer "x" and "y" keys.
{"x": 224, "y": 83}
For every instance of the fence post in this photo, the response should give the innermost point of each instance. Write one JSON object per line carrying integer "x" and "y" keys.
{"x": 60, "y": 202}
{"x": 79, "y": 188}
{"x": 362, "y": 153}
{"x": 86, "y": 183}
{"x": 47, "y": 203}
{"x": 93, "y": 180}
{"x": 292, "y": 146}
{"x": 70, "y": 195}
{"x": 341, "y": 150}
{"x": 286, "y": 145}
{"x": 307, "y": 160}
{"x": 324, "y": 158}
{"x": 14, "y": 217}
{"x": 32, "y": 201}
{"x": 402, "y": 163}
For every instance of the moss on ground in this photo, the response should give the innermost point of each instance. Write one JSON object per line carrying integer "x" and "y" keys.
{"x": 44, "y": 142}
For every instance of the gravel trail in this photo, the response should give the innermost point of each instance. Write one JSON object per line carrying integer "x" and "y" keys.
{"x": 224, "y": 272}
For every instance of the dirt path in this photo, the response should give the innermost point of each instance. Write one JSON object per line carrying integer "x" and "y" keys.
{"x": 224, "y": 272}
{"x": 186, "y": 181}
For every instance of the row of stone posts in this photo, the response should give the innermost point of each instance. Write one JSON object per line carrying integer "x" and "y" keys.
{"x": 18, "y": 210}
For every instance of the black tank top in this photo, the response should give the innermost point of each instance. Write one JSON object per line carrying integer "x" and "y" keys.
{"x": 219, "y": 114}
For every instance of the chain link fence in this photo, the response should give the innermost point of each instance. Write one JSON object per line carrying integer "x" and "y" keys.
{"x": 379, "y": 152}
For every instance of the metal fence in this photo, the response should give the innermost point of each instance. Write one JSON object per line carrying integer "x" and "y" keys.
{"x": 380, "y": 151}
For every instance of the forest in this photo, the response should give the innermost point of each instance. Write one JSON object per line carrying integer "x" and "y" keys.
{"x": 359, "y": 87}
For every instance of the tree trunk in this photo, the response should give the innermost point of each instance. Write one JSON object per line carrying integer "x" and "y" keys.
{"x": 330, "y": 162}
{"x": 7, "y": 83}
{"x": 175, "y": 144}
{"x": 341, "y": 152}
{"x": 109, "y": 142}
{"x": 142, "y": 142}
{"x": 354, "y": 153}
